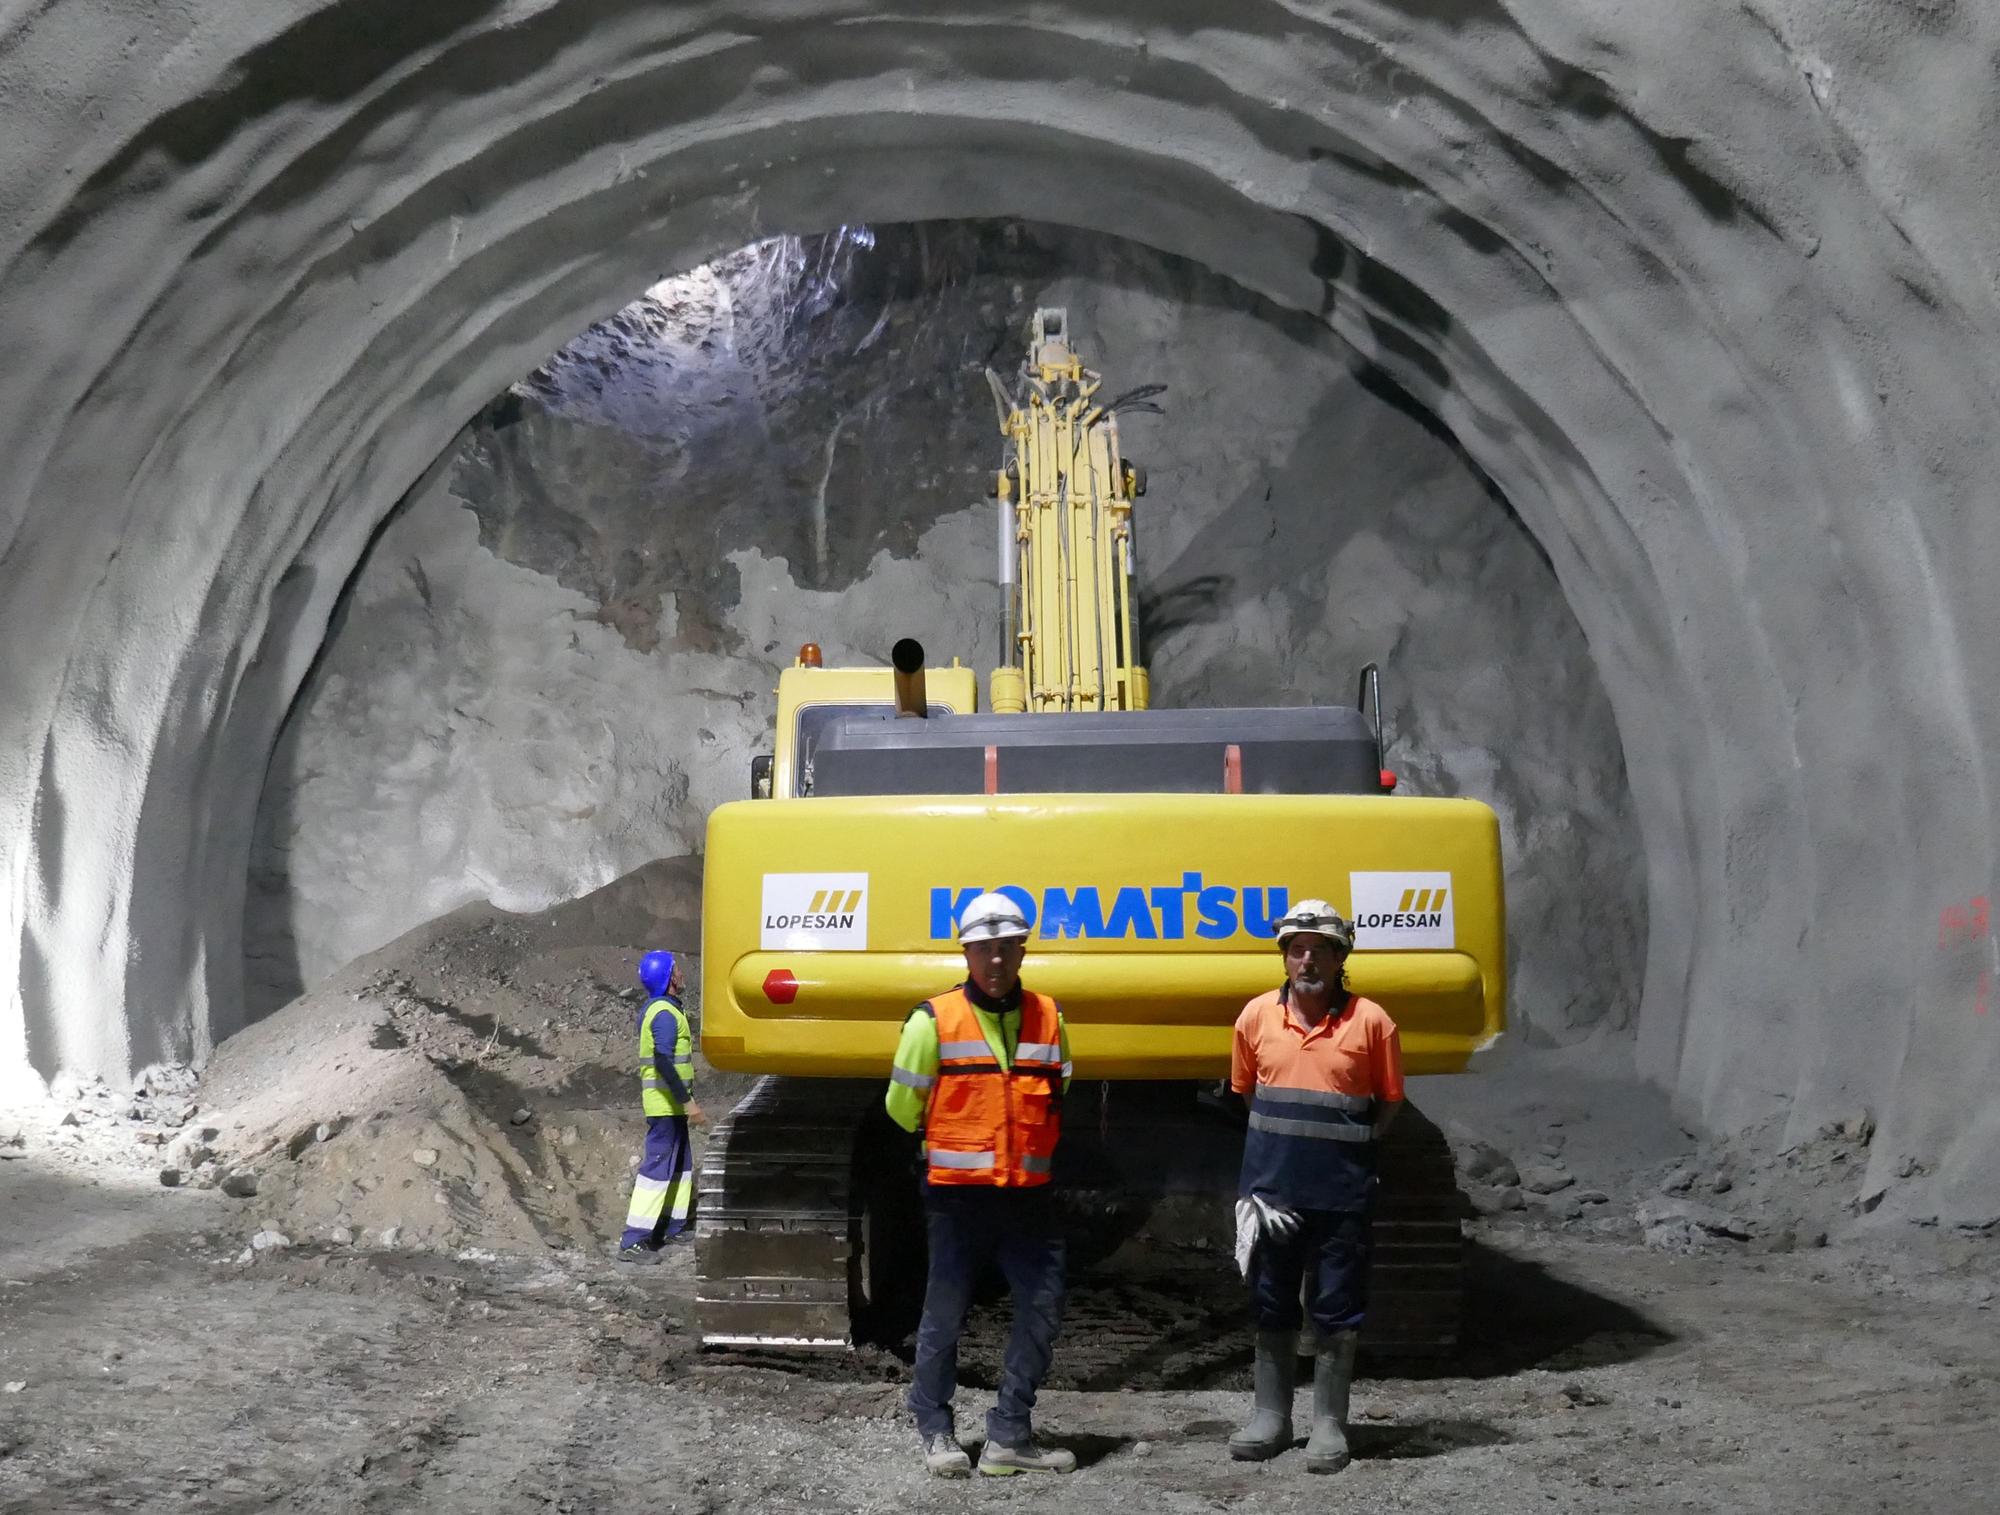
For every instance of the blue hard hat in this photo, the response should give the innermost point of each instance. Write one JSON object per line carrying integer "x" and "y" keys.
{"x": 656, "y": 971}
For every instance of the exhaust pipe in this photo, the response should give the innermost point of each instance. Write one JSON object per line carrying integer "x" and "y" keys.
{"x": 907, "y": 658}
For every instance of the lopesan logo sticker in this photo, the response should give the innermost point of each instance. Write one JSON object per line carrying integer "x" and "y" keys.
{"x": 1160, "y": 913}
{"x": 1394, "y": 910}
{"x": 815, "y": 912}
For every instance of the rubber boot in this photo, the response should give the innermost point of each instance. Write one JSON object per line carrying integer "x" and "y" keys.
{"x": 1269, "y": 1431}
{"x": 1333, "y": 1374}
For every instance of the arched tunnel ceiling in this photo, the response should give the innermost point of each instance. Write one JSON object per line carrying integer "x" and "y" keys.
{"x": 1707, "y": 289}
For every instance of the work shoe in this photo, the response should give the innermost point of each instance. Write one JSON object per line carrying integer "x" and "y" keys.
{"x": 1269, "y": 1429}
{"x": 944, "y": 1457}
{"x": 639, "y": 1252}
{"x": 1333, "y": 1374}
{"x": 997, "y": 1461}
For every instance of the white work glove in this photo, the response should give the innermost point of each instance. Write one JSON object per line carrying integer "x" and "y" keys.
{"x": 1256, "y": 1219}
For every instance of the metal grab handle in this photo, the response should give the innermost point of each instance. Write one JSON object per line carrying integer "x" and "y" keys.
{"x": 1371, "y": 684}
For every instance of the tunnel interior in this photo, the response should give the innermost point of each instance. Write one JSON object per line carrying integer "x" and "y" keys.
{"x": 1735, "y": 411}
{"x": 555, "y": 659}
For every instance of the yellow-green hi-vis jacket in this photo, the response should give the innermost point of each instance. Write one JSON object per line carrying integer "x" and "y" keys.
{"x": 666, "y": 1058}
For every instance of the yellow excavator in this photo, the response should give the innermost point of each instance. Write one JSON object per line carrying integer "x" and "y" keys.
{"x": 1151, "y": 850}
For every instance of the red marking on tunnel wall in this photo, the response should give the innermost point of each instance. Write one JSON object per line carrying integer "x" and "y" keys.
{"x": 1964, "y": 923}
{"x": 1969, "y": 923}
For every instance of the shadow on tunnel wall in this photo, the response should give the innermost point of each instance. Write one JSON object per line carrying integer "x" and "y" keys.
{"x": 271, "y": 972}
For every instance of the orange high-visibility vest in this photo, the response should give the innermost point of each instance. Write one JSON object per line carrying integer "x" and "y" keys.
{"x": 986, "y": 1124}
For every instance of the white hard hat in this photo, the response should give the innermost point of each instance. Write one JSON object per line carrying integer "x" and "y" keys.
{"x": 1320, "y": 919}
{"x": 991, "y": 916}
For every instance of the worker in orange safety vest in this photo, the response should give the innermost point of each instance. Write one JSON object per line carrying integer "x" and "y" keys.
{"x": 980, "y": 1072}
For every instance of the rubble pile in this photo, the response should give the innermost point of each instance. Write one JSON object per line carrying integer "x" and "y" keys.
{"x": 470, "y": 1084}
{"x": 1754, "y": 1191}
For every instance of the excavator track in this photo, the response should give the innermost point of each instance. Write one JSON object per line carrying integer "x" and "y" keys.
{"x": 1416, "y": 1284}
{"x": 808, "y": 1234}
{"x": 774, "y": 1237}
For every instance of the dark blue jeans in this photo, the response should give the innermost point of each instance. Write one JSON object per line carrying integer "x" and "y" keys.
{"x": 970, "y": 1226}
{"x": 1326, "y": 1260}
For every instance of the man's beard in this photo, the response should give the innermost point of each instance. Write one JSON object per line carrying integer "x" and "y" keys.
{"x": 1310, "y": 983}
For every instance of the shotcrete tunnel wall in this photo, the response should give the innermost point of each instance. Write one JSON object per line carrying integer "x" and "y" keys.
{"x": 1707, "y": 289}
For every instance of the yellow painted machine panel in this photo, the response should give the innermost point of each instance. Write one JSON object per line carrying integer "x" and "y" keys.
{"x": 826, "y": 920}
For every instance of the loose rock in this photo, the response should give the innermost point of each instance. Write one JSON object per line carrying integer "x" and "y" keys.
{"x": 1493, "y": 1199}
{"x": 186, "y": 1152}
{"x": 1487, "y": 1163}
{"x": 267, "y": 1241}
{"x": 1544, "y": 1178}
{"x": 1564, "y": 1206}
{"x": 170, "y": 1178}
{"x": 241, "y": 1183}
{"x": 425, "y": 1157}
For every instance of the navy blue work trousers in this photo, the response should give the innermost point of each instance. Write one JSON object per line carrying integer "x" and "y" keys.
{"x": 971, "y": 1225}
{"x": 1319, "y": 1271}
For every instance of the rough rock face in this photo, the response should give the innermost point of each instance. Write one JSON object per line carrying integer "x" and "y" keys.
{"x": 1707, "y": 289}
{"x": 558, "y": 656}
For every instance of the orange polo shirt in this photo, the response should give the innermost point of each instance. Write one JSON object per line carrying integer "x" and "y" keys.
{"x": 1354, "y": 1052}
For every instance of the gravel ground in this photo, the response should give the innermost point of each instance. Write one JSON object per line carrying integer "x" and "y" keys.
{"x": 361, "y": 1264}
{"x": 144, "y": 1365}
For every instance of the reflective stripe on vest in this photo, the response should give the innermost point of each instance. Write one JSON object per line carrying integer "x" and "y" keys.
{"x": 1038, "y": 1054}
{"x": 941, "y": 1159}
{"x": 984, "y": 1124}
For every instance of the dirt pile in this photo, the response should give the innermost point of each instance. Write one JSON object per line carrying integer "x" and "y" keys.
{"x": 470, "y": 1084}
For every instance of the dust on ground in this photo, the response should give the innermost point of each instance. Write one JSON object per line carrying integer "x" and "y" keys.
{"x": 364, "y": 1265}
{"x": 157, "y": 1373}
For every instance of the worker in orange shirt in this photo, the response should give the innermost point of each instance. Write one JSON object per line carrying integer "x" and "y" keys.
{"x": 1322, "y": 1071}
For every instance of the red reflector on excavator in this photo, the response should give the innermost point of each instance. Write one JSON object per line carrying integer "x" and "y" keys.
{"x": 780, "y": 988}
{"x": 1388, "y": 779}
